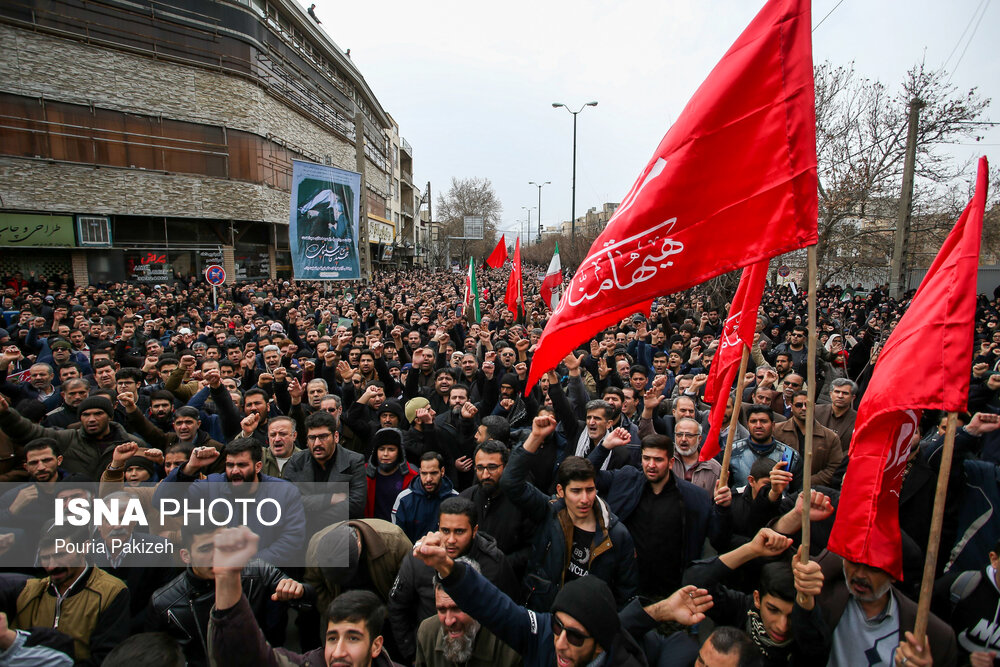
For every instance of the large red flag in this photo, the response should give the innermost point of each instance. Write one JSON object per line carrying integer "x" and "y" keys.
{"x": 937, "y": 328}
{"x": 514, "y": 298}
{"x": 733, "y": 182}
{"x": 499, "y": 254}
{"x": 737, "y": 334}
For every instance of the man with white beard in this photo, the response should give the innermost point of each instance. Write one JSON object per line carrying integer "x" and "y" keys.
{"x": 687, "y": 436}
{"x": 454, "y": 638}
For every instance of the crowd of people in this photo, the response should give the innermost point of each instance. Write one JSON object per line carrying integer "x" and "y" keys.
{"x": 478, "y": 523}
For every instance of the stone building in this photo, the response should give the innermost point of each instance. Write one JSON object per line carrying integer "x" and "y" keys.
{"x": 150, "y": 138}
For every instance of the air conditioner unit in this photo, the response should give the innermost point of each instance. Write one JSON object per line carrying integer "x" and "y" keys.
{"x": 94, "y": 231}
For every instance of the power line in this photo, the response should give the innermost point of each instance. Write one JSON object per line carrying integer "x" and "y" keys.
{"x": 962, "y": 36}
{"x": 827, "y": 16}
{"x": 971, "y": 37}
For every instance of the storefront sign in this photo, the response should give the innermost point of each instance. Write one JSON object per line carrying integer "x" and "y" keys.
{"x": 147, "y": 266}
{"x": 36, "y": 231}
{"x": 380, "y": 232}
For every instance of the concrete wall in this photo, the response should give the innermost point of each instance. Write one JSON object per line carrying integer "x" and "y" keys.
{"x": 59, "y": 69}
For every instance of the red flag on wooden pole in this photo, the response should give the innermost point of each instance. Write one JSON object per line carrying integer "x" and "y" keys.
{"x": 937, "y": 328}
{"x": 737, "y": 334}
{"x": 732, "y": 183}
{"x": 514, "y": 298}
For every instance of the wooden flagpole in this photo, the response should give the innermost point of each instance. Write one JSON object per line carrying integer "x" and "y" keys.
{"x": 734, "y": 419}
{"x": 810, "y": 406}
{"x": 934, "y": 541}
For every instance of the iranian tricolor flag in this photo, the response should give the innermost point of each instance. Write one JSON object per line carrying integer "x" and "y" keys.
{"x": 552, "y": 284}
{"x": 472, "y": 294}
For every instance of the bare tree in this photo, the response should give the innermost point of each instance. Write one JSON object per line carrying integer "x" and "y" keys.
{"x": 469, "y": 196}
{"x": 860, "y": 143}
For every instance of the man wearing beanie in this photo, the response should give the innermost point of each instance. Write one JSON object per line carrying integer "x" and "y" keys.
{"x": 86, "y": 449}
{"x": 582, "y": 627}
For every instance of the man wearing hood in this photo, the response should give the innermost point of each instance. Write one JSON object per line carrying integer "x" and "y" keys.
{"x": 86, "y": 449}
{"x": 387, "y": 473}
{"x": 513, "y": 405}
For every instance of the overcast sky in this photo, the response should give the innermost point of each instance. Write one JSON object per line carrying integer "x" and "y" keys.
{"x": 472, "y": 84}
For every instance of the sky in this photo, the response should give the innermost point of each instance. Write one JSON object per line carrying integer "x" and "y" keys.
{"x": 472, "y": 84}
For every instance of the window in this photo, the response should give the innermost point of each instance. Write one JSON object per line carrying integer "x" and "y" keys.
{"x": 94, "y": 230}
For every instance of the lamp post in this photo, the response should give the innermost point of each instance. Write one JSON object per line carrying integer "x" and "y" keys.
{"x": 556, "y": 105}
{"x": 529, "y": 209}
{"x": 539, "y": 186}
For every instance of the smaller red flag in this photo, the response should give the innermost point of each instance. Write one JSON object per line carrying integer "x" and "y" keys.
{"x": 737, "y": 333}
{"x": 515, "y": 291}
{"x": 499, "y": 254}
{"x": 937, "y": 328}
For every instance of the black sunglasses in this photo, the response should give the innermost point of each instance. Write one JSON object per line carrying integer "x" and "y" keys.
{"x": 574, "y": 637}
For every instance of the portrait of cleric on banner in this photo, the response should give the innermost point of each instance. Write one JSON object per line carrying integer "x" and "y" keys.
{"x": 323, "y": 221}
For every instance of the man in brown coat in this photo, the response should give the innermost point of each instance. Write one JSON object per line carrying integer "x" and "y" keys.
{"x": 838, "y": 415}
{"x": 826, "y": 448}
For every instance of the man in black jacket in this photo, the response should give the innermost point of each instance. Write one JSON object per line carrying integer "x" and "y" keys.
{"x": 182, "y": 607}
{"x": 782, "y": 629}
{"x": 325, "y": 461}
{"x": 496, "y": 515}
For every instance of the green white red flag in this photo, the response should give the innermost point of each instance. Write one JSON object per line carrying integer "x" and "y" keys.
{"x": 472, "y": 312}
{"x": 552, "y": 283}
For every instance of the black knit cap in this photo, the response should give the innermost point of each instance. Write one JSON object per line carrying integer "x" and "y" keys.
{"x": 141, "y": 462}
{"x": 95, "y": 403}
{"x": 590, "y": 602}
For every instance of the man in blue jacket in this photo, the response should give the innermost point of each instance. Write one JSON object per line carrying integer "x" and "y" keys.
{"x": 578, "y": 536}
{"x": 417, "y": 507}
{"x": 283, "y": 542}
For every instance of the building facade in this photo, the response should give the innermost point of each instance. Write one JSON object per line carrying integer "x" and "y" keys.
{"x": 148, "y": 139}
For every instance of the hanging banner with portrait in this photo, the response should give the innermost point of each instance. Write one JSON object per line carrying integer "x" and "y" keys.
{"x": 323, "y": 222}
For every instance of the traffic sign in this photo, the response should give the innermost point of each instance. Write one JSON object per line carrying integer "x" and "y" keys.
{"x": 783, "y": 271}
{"x": 215, "y": 275}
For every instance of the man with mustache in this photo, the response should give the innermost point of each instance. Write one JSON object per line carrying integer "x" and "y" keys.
{"x": 453, "y": 638}
{"x": 282, "y": 542}
{"x": 81, "y": 600}
{"x": 870, "y": 618}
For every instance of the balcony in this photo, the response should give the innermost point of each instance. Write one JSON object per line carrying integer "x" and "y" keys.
{"x": 406, "y": 176}
{"x": 405, "y": 145}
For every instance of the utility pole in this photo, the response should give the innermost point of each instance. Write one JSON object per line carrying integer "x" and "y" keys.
{"x": 364, "y": 256}
{"x": 430, "y": 218}
{"x": 897, "y": 271}
{"x": 539, "y": 186}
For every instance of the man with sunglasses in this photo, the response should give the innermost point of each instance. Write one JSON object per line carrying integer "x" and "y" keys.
{"x": 582, "y": 624}
{"x": 827, "y": 449}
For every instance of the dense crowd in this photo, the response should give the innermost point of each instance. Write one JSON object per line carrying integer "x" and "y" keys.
{"x": 478, "y": 524}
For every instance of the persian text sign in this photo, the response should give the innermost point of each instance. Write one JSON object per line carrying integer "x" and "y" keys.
{"x": 36, "y": 231}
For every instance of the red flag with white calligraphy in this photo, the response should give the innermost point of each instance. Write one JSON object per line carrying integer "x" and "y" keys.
{"x": 937, "y": 329}
{"x": 732, "y": 183}
{"x": 737, "y": 334}
{"x": 514, "y": 298}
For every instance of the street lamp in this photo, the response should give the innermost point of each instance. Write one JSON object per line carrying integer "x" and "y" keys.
{"x": 539, "y": 186}
{"x": 529, "y": 210}
{"x": 556, "y": 105}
